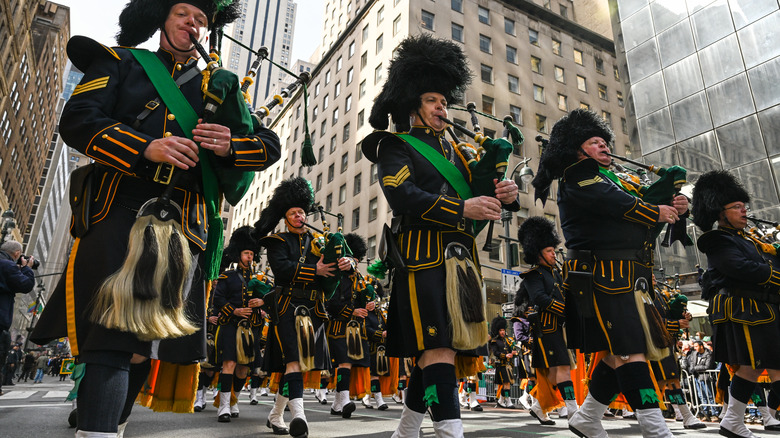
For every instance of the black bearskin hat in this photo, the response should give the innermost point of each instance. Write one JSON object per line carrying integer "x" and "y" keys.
{"x": 423, "y": 64}
{"x": 140, "y": 19}
{"x": 356, "y": 244}
{"x": 497, "y": 324}
{"x": 712, "y": 191}
{"x": 566, "y": 137}
{"x": 241, "y": 239}
{"x": 293, "y": 192}
{"x": 536, "y": 234}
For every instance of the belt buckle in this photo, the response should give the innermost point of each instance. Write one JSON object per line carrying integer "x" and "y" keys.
{"x": 164, "y": 173}
{"x": 313, "y": 296}
{"x": 462, "y": 224}
{"x": 152, "y": 104}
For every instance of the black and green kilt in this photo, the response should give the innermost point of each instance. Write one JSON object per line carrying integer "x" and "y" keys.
{"x": 745, "y": 332}
{"x": 550, "y": 350}
{"x": 338, "y": 351}
{"x": 667, "y": 368}
{"x": 282, "y": 344}
{"x": 616, "y": 326}
{"x": 225, "y": 345}
{"x": 504, "y": 375}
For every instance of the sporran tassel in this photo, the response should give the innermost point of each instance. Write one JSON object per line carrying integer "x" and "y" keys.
{"x": 354, "y": 342}
{"x": 655, "y": 340}
{"x": 465, "y": 300}
{"x": 305, "y": 335}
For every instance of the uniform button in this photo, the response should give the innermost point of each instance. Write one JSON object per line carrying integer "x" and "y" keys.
{"x": 104, "y": 136}
{"x": 178, "y": 67}
{"x": 167, "y": 134}
{"x": 171, "y": 117}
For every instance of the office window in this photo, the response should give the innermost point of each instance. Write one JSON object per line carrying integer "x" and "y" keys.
{"x": 538, "y": 93}
{"x": 556, "y": 47}
{"x": 380, "y": 43}
{"x": 621, "y": 103}
{"x": 372, "y": 209}
{"x": 516, "y": 114}
{"x": 541, "y": 123}
{"x": 563, "y": 103}
{"x": 599, "y": 64}
{"x": 325, "y": 101}
{"x": 339, "y": 63}
{"x": 380, "y": 15}
{"x": 356, "y": 184}
{"x": 331, "y": 172}
{"x": 335, "y": 116}
{"x": 350, "y": 75}
{"x": 582, "y": 85}
{"x": 347, "y": 104}
{"x": 427, "y": 20}
{"x": 314, "y": 113}
{"x": 351, "y": 50}
{"x": 371, "y": 243}
{"x": 319, "y": 182}
{"x": 536, "y": 65}
{"x": 559, "y": 74}
{"x": 624, "y": 125}
{"x": 329, "y": 202}
{"x": 361, "y": 118}
{"x": 358, "y": 151}
{"x": 345, "y": 133}
{"x": 342, "y": 194}
{"x": 327, "y": 77}
{"x": 374, "y": 174}
{"x": 483, "y": 14}
{"x": 578, "y": 56}
{"x": 487, "y": 104}
{"x": 514, "y": 84}
{"x": 486, "y": 73}
{"x": 511, "y": 54}
{"x": 344, "y": 162}
{"x": 457, "y": 5}
{"x": 317, "y": 90}
{"x": 355, "y": 218}
{"x": 607, "y": 117}
{"x": 484, "y": 43}
{"x": 616, "y": 72}
{"x": 363, "y": 88}
{"x": 321, "y": 154}
{"x": 533, "y": 37}
{"x": 509, "y": 26}
{"x": 564, "y": 11}
{"x": 603, "y": 92}
{"x": 396, "y": 25}
{"x": 363, "y": 60}
{"x": 378, "y": 74}
{"x": 584, "y": 106}
{"x": 333, "y": 144}
{"x": 457, "y": 32}
{"x": 292, "y": 159}
{"x": 337, "y": 89}
{"x": 365, "y": 33}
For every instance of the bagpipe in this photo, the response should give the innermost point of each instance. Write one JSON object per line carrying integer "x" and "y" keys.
{"x": 765, "y": 231}
{"x": 331, "y": 246}
{"x": 661, "y": 192}
{"x": 489, "y": 161}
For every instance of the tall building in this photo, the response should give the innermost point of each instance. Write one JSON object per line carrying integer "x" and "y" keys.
{"x": 269, "y": 24}
{"x": 32, "y": 43}
{"x": 529, "y": 61}
{"x": 700, "y": 77}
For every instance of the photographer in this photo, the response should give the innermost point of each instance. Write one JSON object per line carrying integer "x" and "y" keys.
{"x": 15, "y": 278}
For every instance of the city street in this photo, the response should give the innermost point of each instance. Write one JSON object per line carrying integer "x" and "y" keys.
{"x": 28, "y": 410}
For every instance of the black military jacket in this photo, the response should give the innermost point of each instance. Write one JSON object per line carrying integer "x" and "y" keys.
{"x": 431, "y": 209}
{"x": 597, "y": 214}
{"x": 232, "y": 293}
{"x": 499, "y": 348}
{"x": 291, "y": 260}
{"x": 737, "y": 262}
{"x": 375, "y": 325}
{"x": 98, "y": 120}
{"x": 340, "y": 307}
{"x": 543, "y": 285}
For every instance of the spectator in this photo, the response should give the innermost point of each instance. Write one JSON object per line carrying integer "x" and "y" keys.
{"x": 40, "y": 366}
{"x": 27, "y": 366}
{"x": 698, "y": 362}
{"x": 15, "y": 278}
{"x": 11, "y": 365}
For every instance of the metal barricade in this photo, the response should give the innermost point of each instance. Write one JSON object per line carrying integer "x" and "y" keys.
{"x": 700, "y": 393}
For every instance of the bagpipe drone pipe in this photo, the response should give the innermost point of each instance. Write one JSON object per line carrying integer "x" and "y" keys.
{"x": 332, "y": 247}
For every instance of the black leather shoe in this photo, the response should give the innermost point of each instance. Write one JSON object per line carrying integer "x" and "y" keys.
{"x": 224, "y": 418}
{"x": 542, "y": 422}
{"x": 334, "y": 412}
{"x": 197, "y": 408}
{"x": 234, "y": 415}
{"x": 347, "y": 410}
{"x": 299, "y": 428}
{"x": 477, "y": 408}
{"x": 252, "y": 402}
{"x": 73, "y": 418}
{"x": 383, "y": 407}
{"x": 774, "y": 427}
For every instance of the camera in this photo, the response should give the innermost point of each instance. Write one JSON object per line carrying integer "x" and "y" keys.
{"x": 34, "y": 265}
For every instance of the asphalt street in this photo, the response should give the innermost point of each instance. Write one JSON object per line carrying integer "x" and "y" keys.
{"x": 39, "y": 410}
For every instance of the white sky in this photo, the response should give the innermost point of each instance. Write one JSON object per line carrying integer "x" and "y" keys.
{"x": 98, "y": 20}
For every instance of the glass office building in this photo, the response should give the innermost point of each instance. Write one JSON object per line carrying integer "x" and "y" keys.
{"x": 701, "y": 78}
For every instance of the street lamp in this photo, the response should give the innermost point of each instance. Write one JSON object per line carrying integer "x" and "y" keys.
{"x": 8, "y": 224}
